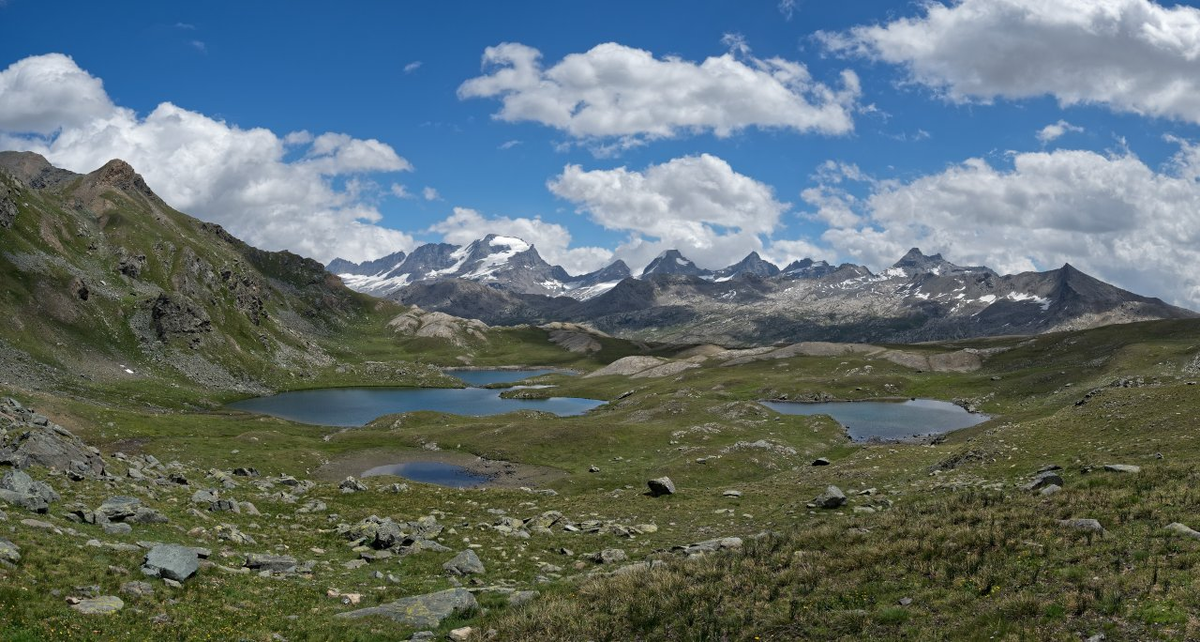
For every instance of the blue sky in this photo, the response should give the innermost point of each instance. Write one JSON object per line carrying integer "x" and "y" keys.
{"x": 940, "y": 147}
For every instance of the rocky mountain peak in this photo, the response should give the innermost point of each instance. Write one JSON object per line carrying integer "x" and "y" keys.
{"x": 33, "y": 169}
{"x": 672, "y": 262}
{"x": 118, "y": 174}
{"x": 753, "y": 264}
{"x": 914, "y": 258}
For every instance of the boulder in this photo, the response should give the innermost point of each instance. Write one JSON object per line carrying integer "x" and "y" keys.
{"x": 1044, "y": 479}
{"x": 610, "y": 556}
{"x": 30, "y": 503}
{"x": 1122, "y": 468}
{"x": 207, "y": 496}
{"x": 833, "y": 497}
{"x": 48, "y": 445}
{"x": 9, "y": 552}
{"x": 465, "y": 563}
{"x": 352, "y": 485}
{"x": 18, "y": 488}
{"x": 661, "y": 486}
{"x": 421, "y": 611}
{"x": 820, "y": 461}
{"x": 119, "y": 508}
{"x": 137, "y": 589}
{"x": 147, "y": 516}
{"x": 171, "y": 561}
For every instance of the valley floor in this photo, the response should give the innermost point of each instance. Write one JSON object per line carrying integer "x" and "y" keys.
{"x": 937, "y": 540}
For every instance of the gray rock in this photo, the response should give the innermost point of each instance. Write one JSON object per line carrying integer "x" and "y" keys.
{"x": 119, "y": 508}
{"x": 661, "y": 486}
{"x": 833, "y": 497}
{"x": 352, "y": 485}
{"x": 28, "y": 502}
{"x": 610, "y": 556}
{"x": 1044, "y": 479}
{"x": 103, "y": 605}
{"x": 1050, "y": 490}
{"x": 147, "y": 516}
{"x": 230, "y": 533}
{"x": 171, "y": 561}
{"x": 206, "y": 496}
{"x": 732, "y": 493}
{"x": 820, "y": 461}
{"x": 246, "y": 472}
{"x": 1090, "y": 525}
{"x": 465, "y": 563}
{"x": 117, "y": 528}
{"x": 711, "y": 546}
{"x": 51, "y": 446}
{"x": 1177, "y": 528}
{"x": 137, "y": 589}
{"x": 225, "y": 506}
{"x": 19, "y": 489}
{"x": 1122, "y": 468}
{"x": 9, "y": 552}
{"x": 421, "y": 611}
{"x": 274, "y": 563}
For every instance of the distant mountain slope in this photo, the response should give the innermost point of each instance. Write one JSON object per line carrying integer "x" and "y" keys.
{"x": 506, "y": 262}
{"x": 920, "y": 298}
{"x": 100, "y": 277}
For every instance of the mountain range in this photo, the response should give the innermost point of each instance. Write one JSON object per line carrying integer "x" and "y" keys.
{"x": 503, "y": 280}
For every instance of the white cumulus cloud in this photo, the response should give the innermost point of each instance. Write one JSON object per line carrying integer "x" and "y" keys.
{"x": 1129, "y": 55}
{"x": 551, "y": 239}
{"x": 696, "y": 204}
{"x": 1054, "y": 131}
{"x": 617, "y": 91}
{"x": 40, "y": 94}
{"x": 207, "y": 167}
{"x": 1111, "y": 216}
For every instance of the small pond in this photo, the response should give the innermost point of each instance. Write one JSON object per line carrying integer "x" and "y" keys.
{"x": 887, "y": 419}
{"x": 360, "y": 406}
{"x": 431, "y": 472}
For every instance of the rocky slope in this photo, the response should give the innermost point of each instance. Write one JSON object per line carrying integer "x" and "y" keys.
{"x": 102, "y": 279}
{"x": 920, "y": 298}
{"x": 504, "y": 262}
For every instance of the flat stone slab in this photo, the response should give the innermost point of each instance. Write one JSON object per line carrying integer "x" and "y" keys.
{"x": 99, "y": 605}
{"x": 1122, "y": 468}
{"x": 171, "y": 562}
{"x": 421, "y": 611}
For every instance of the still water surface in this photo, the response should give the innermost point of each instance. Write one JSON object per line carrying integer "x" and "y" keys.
{"x": 887, "y": 419}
